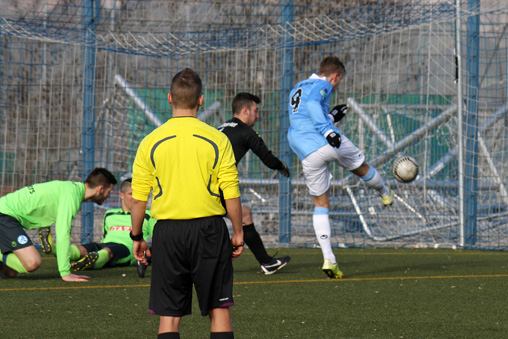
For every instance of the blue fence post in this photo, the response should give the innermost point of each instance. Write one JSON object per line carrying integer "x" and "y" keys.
{"x": 90, "y": 11}
{"x": 285, "y": 151}
{"x": 471, "y": 121}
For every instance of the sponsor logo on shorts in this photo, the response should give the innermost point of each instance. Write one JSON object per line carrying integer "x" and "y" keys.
{"x": 324, "y": 236}
{"x": 224, "y": 299}
{"x": 22, "y": 239}
{"x": 14, "y": 244}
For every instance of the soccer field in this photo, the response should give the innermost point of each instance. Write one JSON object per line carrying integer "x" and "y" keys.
{"x": 386, "y": 293}
{"x": 82, "y": 82}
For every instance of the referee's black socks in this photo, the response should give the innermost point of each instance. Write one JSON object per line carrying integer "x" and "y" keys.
{"x": 169, "y": 335}
{"x": 222, "y": 335}
{"x": 253, "y": 240}
{"x": 213, "y": 335}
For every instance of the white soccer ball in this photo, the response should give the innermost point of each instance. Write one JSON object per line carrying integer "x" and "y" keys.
{"x": 405, "y": 169}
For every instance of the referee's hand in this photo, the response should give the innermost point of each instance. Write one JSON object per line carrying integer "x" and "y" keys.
{"x": 237, "y": 247}
{"x": 139, "y": 249}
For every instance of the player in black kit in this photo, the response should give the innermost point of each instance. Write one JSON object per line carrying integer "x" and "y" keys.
{"x": 243, "y": 138}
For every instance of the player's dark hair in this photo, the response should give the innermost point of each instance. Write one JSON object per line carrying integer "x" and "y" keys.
{"x": 242, "y": 100}
{"x": 186, "y": 89}
{"x": 126, "y": 184}
{"x": 100, "y": 177}
{"x": 331, "y": 65}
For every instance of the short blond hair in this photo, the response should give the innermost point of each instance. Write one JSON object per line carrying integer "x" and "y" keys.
{"x": 331, "y": 65}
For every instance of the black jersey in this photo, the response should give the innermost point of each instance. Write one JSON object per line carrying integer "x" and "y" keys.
{"x": 243, "y": 138}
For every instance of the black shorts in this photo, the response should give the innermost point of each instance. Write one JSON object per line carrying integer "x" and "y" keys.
{"x": 12, "y": 234}
{"x": 119, "y": 251}
{"x": 186, "y": 253}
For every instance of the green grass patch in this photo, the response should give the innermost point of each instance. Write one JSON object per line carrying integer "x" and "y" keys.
{"x": 386, "y": 293}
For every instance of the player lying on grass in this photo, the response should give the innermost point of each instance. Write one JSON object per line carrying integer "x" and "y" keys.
{"x": 39, "y": 205}
{"x": 317, "y": 142}
{"x": 116, "y": 246}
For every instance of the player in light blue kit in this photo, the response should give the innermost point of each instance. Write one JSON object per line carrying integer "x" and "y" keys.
{"x": 316, "y": 141}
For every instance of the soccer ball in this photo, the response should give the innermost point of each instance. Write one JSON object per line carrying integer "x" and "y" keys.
{"x": 405, "y": 169}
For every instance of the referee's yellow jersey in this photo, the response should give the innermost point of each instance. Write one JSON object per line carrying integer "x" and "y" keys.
{"x": 186, "y": 162}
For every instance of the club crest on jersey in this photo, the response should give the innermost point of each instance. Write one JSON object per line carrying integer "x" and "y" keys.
{"x": 22, "y": 239}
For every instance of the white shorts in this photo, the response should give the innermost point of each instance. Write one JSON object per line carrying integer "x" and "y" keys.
{"x": 315, "y": 165}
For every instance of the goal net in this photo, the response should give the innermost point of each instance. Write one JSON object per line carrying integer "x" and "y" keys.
{"x": 424, "y": 78}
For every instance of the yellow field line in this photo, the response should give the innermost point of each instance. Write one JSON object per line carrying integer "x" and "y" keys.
{"x": 68, "y": 287}
{"x": 374, "y": 279}
{"x": 340, "y": 252}
{"x": 267, "y": 282}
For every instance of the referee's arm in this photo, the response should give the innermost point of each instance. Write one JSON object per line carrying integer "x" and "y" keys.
{"x": 234, "y": 207}
{"x": 139, "y": 248}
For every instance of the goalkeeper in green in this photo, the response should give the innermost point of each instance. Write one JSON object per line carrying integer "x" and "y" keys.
{"x": 39, "y": 205}
{"x": 116, "y": 246}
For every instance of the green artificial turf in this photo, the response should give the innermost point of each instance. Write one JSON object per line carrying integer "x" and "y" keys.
{"x": 386, "y": 293}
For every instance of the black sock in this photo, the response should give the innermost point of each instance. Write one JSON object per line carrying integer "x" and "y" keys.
{"x": 253, "y": 240}
{"x": 168, "y": 335}
{"x": 222, "y": 335}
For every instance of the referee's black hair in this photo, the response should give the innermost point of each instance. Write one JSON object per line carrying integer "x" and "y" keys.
{"x": 242, "y": 100}
{"x": 186, "y": 89}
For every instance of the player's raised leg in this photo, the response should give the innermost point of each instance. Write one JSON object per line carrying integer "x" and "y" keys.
{"x": 373, "y": 179}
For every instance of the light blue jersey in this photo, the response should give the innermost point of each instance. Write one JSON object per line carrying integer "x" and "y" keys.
{"x": 309, "y": 122}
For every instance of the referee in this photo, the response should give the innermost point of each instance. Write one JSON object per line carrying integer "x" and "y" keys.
{"x": 185, "y": 163}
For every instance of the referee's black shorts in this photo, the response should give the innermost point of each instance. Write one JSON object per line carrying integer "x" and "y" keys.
{"x": 186, "y": 253}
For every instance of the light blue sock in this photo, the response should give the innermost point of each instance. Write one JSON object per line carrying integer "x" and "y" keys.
{"x": 373, "y": 180}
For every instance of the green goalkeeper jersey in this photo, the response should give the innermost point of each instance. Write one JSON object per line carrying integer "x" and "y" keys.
{"x": 41, "y": 205}
{"x": 117, "y": 226}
